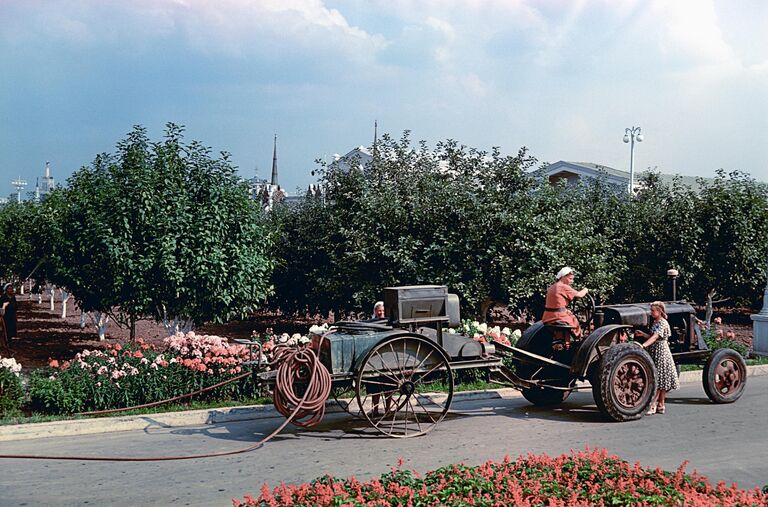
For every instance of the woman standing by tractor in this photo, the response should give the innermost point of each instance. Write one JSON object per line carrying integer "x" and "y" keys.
{"x": 658, "y": 346}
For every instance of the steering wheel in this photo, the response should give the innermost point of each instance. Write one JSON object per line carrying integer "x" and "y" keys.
{"x": 583, "y": 309}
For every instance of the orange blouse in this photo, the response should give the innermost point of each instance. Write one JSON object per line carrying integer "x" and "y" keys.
{"x": 559, "y": 296}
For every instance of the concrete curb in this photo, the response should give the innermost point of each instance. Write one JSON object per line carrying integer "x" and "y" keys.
{"x": 233, "y": 414}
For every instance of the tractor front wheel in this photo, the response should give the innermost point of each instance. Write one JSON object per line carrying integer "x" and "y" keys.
{"x": 724, "y": 376}
{"x": 626, "y": 378}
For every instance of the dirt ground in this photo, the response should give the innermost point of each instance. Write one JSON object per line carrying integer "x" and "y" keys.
{"x": 44, "y": 335}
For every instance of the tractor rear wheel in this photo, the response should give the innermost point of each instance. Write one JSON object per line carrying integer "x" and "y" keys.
{"x": 627, "y": 382}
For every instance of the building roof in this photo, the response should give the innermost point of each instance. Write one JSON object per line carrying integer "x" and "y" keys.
{"x": 612, "y": 174}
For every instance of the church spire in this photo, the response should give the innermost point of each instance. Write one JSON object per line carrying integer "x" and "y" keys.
{"x": 274, "y": 162}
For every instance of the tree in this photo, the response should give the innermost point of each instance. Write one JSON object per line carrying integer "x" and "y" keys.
{"x": 159, "y": 230}
{"x": 733, "y": 248}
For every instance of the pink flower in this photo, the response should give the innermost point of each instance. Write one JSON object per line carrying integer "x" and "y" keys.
{"x": 53, "y": 363}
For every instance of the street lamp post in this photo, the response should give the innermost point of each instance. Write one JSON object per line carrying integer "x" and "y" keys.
{"x": 630, "y": 136}
{"x": 19, "y": 184}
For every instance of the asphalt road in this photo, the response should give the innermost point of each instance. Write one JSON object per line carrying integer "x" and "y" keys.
{"x": 724, "y": 442}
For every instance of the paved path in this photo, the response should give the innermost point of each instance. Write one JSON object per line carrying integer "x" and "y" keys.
{"x": 724, "y": 442}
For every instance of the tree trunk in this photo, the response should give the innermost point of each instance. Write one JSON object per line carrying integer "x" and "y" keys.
{"x": 709, "y": 311}
{"x": 64, "y": 299}
{"x": 133, "y": 327}
{"x": 52, "y": 293}
{"x": 102, "y": 322}
{"x": 82, "y": 319}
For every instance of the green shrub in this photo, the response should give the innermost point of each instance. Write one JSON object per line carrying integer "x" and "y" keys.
{"x": 11, "y": 393}
{"x": 714, "y": 342}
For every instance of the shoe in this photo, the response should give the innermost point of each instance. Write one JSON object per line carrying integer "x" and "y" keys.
{"x": 651, "y": 410}
{"x": 660, "y": 410}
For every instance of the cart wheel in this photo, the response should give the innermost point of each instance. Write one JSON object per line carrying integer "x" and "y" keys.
{"x": 627, "y": 382}
{"x": 724, "y": 376}
{"x": 393, "y": 383}
{"x": 346, "y": 398}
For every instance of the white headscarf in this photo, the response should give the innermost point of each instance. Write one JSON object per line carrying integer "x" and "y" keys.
{"x": 565, "y": 271}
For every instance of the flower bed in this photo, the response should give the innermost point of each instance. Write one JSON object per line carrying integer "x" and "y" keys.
{"x": 591, "y": 477}
{"x": 137, "y": 373}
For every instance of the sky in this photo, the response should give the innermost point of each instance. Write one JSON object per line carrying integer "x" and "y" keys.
{"x": 563, "y": 78}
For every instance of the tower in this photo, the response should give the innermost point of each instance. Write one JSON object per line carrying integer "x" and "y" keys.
{"x": 274, "y": 163}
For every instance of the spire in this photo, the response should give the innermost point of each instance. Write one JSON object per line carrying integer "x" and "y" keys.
{"x": 47, "y": 170}
{"x": 274, "y": 163}
{"x": 375, "y": 138}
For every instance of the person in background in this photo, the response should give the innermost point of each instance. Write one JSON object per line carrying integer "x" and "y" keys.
{"x": 559, "y": 296}
{"x": 656, "y": 341}
{"x": 8, "y": 305}
{"x": 378, "y": 311}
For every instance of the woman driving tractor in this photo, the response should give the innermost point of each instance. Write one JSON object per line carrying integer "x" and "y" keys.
{"x": 559, "y": 296}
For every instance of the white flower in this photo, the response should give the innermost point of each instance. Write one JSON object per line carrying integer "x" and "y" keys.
{"x": 304, "y": 340}
{"x": 291, "y": 342}
{"x": 517, "y": 333}
{"x": 320, "y": 330}
{"x": 11, "y": 364}
{"x": 283, "y": 338}
{"x": 483, "y": 328}
{"x": 506, "y": 331}
{"x": 451, "y": 330}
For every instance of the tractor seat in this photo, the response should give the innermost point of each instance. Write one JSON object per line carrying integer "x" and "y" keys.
{"x": 563, "y": 334}
{"x": 559, "y": 324}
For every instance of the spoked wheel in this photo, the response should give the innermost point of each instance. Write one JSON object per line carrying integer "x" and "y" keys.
{"x": 393, "y": 383}
{"x": 725, "y": 376}
{"x": 346, "y": 398}
{"x": 627, "y": 382}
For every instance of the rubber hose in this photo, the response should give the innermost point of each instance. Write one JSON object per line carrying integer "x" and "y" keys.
{"x": 294, "y": 370}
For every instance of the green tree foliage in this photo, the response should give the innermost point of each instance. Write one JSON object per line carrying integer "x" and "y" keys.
{"x": 472, "y": 220}
{"x": 732, "y": 253}
{"x": 159, "y": 229}
{"x": 481, "y": 224}
{"x": 17, "y": 230}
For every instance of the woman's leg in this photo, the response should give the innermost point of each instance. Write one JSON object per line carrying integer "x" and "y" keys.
{"x": 662, "y": 398}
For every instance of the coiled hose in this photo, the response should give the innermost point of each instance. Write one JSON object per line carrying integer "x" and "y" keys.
{"x": 299, "y": 365}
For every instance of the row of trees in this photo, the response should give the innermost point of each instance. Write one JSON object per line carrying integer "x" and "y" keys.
{"x": 483, "y": 224}
{"x": 162, "y": 230}
{"x": 166, "y": 230}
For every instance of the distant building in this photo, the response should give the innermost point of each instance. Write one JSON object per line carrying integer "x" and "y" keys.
{"x": 45, "y": 184}
{"x": 574, "y": 172}
{"x": 356, "y": 158}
